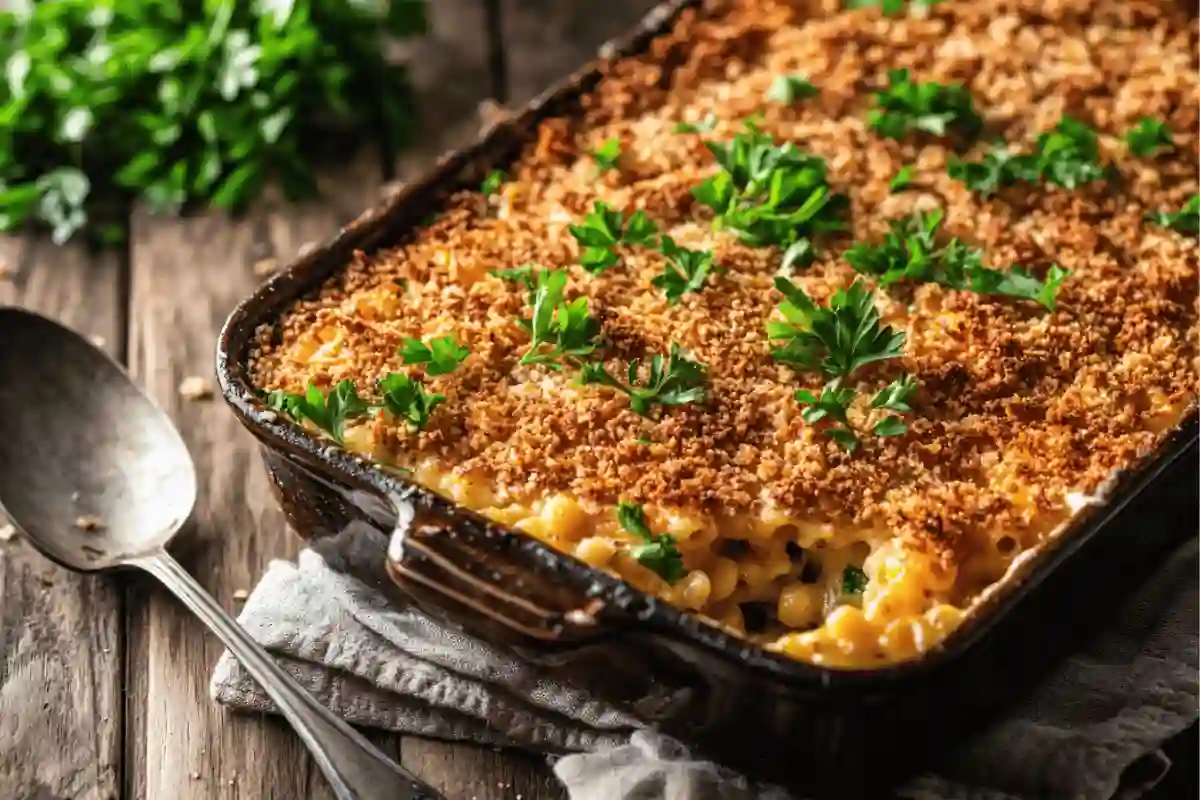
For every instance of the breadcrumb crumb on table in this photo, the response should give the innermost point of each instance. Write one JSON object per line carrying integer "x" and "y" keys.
{"x": 87, "y": 522}
{"x": 195, "y": 387}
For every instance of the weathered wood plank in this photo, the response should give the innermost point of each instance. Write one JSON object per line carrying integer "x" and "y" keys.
{"x": 473, "y": 772}
{"x": 187, "y": 274}
{"x": 60, "y": 633}
{"x": 546, "y": 39}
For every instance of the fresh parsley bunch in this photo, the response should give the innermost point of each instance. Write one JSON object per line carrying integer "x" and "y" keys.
{"x": 102, "y": 104}
{"x": 770, "y": 194}
{"x": 1068, "y": 156}
{"x": 909, "y": 251}
{"x": 906, "y": 105}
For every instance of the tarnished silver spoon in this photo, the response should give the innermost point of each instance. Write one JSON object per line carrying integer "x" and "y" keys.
{"x": 96, "y": 477}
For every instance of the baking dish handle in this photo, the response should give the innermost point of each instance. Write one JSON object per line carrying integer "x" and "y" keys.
{"x": 466, "y": 567}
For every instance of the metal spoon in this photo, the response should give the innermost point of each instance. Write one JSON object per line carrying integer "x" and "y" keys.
{"x": 95, "y": 476}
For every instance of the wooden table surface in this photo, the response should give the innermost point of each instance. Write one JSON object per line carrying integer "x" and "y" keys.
{"x": 103, "y": 681}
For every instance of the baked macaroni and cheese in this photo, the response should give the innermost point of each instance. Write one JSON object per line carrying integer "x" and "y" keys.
{"x": 812, "y": 323}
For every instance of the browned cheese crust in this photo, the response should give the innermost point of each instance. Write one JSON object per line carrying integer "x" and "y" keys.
{"x": 1016, "y": 407}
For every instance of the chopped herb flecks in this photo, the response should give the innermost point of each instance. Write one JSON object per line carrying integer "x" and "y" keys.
{"x": 441, "y": 356}
{"x": 406, "y": 398}
{"x": 685, "y": 271}
{"x": 608, "y": 155}
{"x": 1185, "y": 220}
{"x": 769, "y": 194}
{"x": 788, "y": 89}
{"x": 560, "y": 330}
{"x": 906, "y": 105}
{"x": 672, "y": 381}
{"x": 657, "y": 552}
{"x": 330, "y": 414}
{"x": 909, "y": 252}
{"x": 604, "y": 228}
{"x": 1148, "y": 136}
{"x": 1068, "y": 156}
{"x": 492, "y": 183}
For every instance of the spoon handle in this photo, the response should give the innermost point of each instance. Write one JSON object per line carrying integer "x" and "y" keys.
{"x": 354, "y": 767}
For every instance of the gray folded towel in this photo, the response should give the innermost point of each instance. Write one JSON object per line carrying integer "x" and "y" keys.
{"x": 1106, "y": 709}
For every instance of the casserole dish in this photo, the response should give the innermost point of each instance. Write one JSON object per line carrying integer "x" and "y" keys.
{"x": 744, "y": 704}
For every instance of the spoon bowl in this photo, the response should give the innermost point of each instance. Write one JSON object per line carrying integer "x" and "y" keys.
{"x": 95, "y": 476}
{"x": 91, "y": 470}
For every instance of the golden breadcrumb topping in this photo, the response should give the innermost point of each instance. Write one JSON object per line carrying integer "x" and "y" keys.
{"x": 1017, "y": 406}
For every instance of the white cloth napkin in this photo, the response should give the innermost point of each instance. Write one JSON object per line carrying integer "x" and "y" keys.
{"x": 378, "y": 664}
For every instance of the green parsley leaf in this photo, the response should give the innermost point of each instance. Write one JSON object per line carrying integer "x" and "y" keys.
{"x": 909, "y": 252}
{"x": 890, "y": 426}
{"x": 198, "y": 103}
{"x": 854, "y": 581}
{"x": 800, "y": 254}
{"x": 1185, "y": 220}
{"x": 1068, "y": 156}
{"x": 831, "y": 405}
{"x": 658, "y": 552}
{"x": 604, "y": 228}
{"x": 441, "y": 356}
{"x": 685, "y": 270}
{"x": 837, "y": 340}
{"x": 673, "y": 381}
{"x": 892, "y": 7}
{"x": 1148, "y": 136}
{"x": 525, "y": 275}
{"x": 906, "y": 105}
{"x": 559, "y": 330}
{"x": 406, "y": 398}
{"x": 901, "y": 180}
{"x": 770, "y": 194}
{"x": 894, "y": 396}
{"x": 706, "y": 124}
{"x": 330, "y": 414}
{"x": 787, "y": 89}
{"x": 607, "y": 155}
{"x": 492, "y": 183}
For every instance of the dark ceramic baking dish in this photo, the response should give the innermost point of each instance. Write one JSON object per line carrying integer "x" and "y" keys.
{"x": 823, "y": 730}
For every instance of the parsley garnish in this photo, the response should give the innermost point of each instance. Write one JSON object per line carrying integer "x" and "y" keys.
{"x": 854, "y": 581}
{"x": 657, "y": 552}
{"x": 672, "y": 381}
{"x": 892, "y": 7}
{"x": 787, "y": 89}
{"x": 901, "y": 180}
{"x": 1148, "y": 136}
{"x": 330, "y": 414}
{"x": 525, "y": 275}
{"x": 405, "y": 397}
{"x": 201, "y": 103}
{"x": 685, "y": 271}
{"x": 1185, "y": 220}
{"x": 492, "y": 183}
{"x": 706, "y": 124}
{"x": 909, "y": 252}
{"x": 560, "y": 330}
{"x": 894, "y": 397}
{"x": 1068, "y": 156}
{"x": 770, "y": 194}
{"x": 607, "y": 155}
{"x": 603, "y": 229}
{"x": 837, "y": 340}
{"x": 906, "y": 105}
{"x": 442, "y": 355}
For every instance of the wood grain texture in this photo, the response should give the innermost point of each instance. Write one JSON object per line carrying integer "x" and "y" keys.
{"x": 60, "y": 633}
{"x": 546, "y": 39}
{"x": 187, "y": 274}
